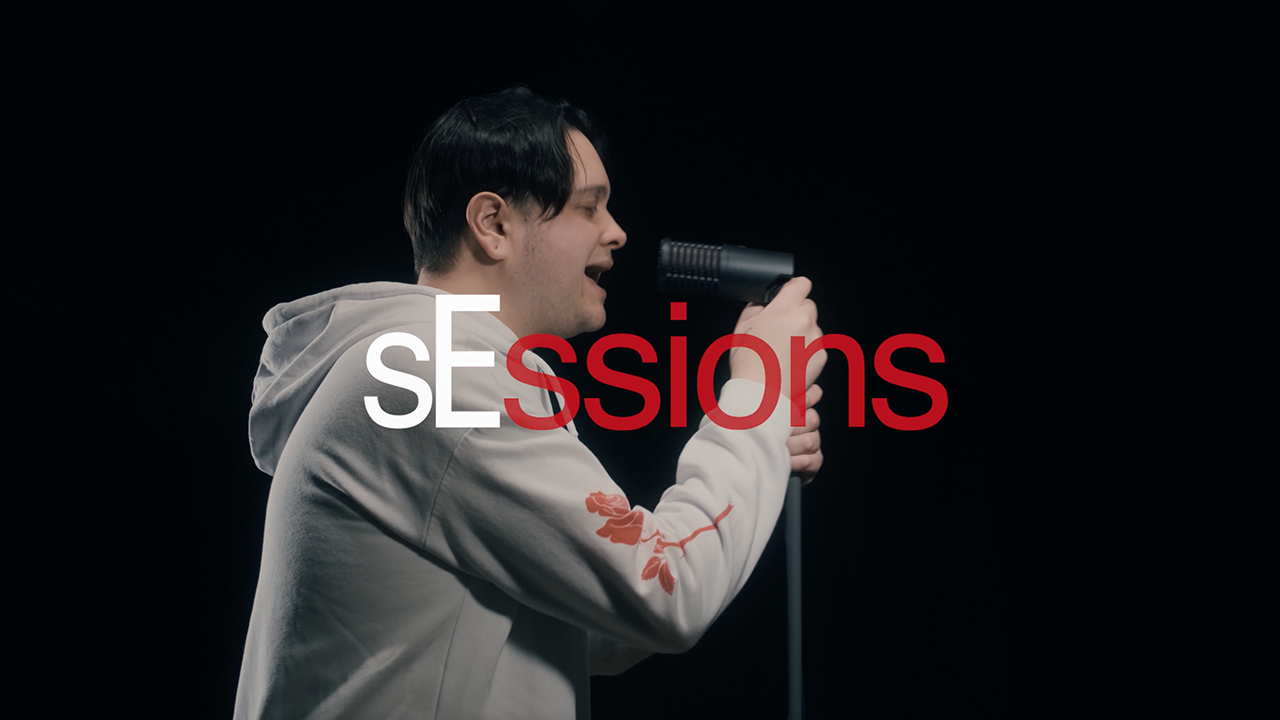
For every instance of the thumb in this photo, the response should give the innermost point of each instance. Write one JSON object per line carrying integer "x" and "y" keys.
{"x": 794, "y": 291}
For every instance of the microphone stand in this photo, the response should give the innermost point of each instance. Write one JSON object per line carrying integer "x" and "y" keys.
{"x": 741, "y": 273}
{"x": 795, "y": 689}
{"x": 795, "y": 680}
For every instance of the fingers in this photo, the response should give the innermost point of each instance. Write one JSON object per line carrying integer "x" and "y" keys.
{"x": 811, "y": 423}
{"x": 794, "y": 292}
{"x": 804, "y": 444}
{"x": 806, "y": 466}
{"x": 815, "y": 367}
{"x": 811, "y": 309}
{"x": 812, "y": 395}
{"x": 813, "y": 334}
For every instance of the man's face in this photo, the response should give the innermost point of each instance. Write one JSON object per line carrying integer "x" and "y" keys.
{"x": 564, "y": 257}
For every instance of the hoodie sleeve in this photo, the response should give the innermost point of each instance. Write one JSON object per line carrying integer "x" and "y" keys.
{"x": 535, "y": 513}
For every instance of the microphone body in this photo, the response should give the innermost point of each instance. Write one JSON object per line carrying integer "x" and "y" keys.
{"x": 730, "y": 272}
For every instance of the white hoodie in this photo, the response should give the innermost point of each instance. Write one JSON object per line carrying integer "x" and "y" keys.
{"x": 471, "y": 573}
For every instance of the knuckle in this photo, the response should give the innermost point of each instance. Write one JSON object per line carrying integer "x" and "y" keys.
{"x": 812, "y": 398}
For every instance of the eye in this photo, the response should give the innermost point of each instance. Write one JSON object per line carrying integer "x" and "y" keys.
{"x": 590, "y": 210}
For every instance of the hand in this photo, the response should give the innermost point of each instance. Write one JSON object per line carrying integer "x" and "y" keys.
{"x": 791, "y": 313}
{"x": 805, "y": 445}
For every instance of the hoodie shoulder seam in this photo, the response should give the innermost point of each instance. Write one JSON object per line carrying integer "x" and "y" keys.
{"x": 444, "y": 473}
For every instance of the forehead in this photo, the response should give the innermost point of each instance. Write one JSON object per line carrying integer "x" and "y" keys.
{"x": 588, "y": 170}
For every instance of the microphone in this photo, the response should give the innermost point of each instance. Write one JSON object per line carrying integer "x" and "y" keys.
{"x": 730, "y": 272}
{"x": 734, "y": 272}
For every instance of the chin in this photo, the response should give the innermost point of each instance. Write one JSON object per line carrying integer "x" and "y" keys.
{"x": 597, "y": 321}
{"x": 591, "y": 323}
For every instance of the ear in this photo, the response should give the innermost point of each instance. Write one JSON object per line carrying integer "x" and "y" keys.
{"x": 490, "y": 219}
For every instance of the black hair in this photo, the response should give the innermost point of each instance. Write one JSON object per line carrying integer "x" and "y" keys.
{"x": 513, "y": 143}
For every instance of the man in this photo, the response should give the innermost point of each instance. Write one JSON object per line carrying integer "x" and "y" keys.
{"x": 485, "y": 572}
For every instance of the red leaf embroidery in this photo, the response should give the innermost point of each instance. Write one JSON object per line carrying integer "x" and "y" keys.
{"x": 651, "y": 568}
{"x": 664, "y": 577}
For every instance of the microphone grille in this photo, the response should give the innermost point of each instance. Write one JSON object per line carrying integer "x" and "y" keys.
{"x": 689, "y": 267}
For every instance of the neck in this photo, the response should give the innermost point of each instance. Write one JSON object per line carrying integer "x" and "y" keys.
{"x": 464, "y": 281}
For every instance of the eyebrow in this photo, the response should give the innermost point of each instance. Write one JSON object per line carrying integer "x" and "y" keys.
{"x": 600, "y": 191}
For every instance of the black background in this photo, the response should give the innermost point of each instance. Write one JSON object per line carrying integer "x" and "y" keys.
{"x": 982, "y": 187}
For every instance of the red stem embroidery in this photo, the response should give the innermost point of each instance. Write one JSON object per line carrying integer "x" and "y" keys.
{"x": 664, "y": 544}
{"x": 624, "y": 527}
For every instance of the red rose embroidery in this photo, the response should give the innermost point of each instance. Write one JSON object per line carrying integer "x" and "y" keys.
{"x": 624, "y": 527}
{"x": 608, "y": 505}
{"x": 625, "y": 530}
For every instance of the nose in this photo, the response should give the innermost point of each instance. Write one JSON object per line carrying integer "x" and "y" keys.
{"x": 614, "y": 236}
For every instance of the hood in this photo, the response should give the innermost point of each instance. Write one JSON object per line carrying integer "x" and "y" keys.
{"x": 307, "y": 336}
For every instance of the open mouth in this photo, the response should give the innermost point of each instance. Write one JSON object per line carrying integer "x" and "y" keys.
{"x": 595, "y": 271}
